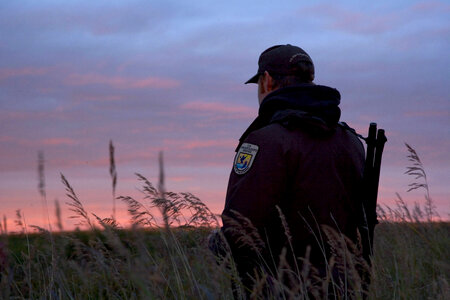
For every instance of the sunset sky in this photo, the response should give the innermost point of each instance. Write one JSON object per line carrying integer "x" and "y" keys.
{"x": 168, "y": 76}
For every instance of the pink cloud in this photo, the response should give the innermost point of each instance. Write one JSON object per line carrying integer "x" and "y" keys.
{"x": 18, "y": 141}
{"x": 216, "y": 107}
{"x": 148, "y": 154}
{"x": 28, "y": 71}
{"x": 22, "y": 116}
{"x": 58, "y": 141}
{"x": 179, "y": 178}
{"x": 155, "y": 82}
{"x": 190, "y": 145}
{"x": 6, "y": 139}
{"x": 353, "y": 21}
{"x": 431, "y": 6}
{"x": 211, "y": 143}
{"x": 427, "y": 114}
{"x": 103, "y": 98}
{"x": 32, "y": 143}
{"x": 122, "y": 82}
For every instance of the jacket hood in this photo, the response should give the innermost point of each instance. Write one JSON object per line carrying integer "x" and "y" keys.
{"x": 318, "y": 101}
{"x": 315, "y": 107}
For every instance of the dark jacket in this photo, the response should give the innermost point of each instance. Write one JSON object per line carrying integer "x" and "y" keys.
{"x": 306, "y": 164}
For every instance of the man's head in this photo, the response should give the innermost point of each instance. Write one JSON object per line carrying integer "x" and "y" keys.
{"x": 280, "y": 66}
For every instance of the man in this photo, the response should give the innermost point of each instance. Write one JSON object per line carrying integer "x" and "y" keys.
{"x": 296, "y": 171}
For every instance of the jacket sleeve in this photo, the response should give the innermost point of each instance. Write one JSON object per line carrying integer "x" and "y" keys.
{"x": 255, "y": 193}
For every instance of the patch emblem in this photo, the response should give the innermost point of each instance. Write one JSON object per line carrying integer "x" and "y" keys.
{"x": 244, "y": 158}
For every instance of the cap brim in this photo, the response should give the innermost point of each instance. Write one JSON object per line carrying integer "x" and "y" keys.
{"x": 254, "y": 79}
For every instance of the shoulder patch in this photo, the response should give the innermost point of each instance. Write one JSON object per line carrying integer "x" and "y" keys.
{"x": 244, "y": 158}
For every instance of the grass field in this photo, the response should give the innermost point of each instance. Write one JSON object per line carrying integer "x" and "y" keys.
{"x": 167, "y": 257}
{"x": 411, "y": 262}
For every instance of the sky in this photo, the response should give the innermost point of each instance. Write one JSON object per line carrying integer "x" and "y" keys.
{"x": 169, "y": 76}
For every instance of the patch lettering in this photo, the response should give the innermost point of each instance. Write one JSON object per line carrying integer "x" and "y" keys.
{"x": 244, "y": 158}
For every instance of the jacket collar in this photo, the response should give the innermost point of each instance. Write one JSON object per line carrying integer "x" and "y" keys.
{"x": 306, "y": 101}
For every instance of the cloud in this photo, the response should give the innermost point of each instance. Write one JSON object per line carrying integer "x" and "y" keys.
{"x": 120, "y": 82}
{"x": 201, "y": 144}
{"x": 389, "y": 19}
{"x": 179, "y": 178}
{"x": 352, "y": 20}
{"x": 102, "y": 98}
{"x": 7, "y": 73}
{"x": 431, "y": 7}
{"x": 427, "y": 113}
{"x": 99, "y": 18}
{"x": 58, "y": 141}
{"x": 219, "y": 108}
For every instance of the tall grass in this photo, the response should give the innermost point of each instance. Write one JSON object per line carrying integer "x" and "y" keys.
{"x": 113, "y": 173}
{"x": 412, "y": 245}
{"x": 165, "y": 255}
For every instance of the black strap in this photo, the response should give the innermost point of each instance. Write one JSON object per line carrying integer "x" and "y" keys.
{"x": 346, "y": 127}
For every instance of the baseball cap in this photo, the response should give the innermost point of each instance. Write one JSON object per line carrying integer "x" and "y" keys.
{"x": 280, "y": 60}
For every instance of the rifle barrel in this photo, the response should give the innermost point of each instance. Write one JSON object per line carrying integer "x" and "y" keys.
{"x": 379, "y": 147}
